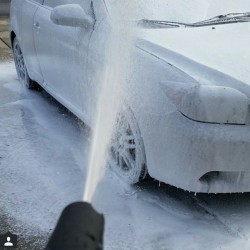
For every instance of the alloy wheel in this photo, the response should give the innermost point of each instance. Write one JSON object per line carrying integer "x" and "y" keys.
{"x": 20, "y": 66}
{"x": 127, "y": 155}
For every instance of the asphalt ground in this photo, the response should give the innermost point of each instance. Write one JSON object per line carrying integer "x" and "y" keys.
{"x": 7, "y": 223}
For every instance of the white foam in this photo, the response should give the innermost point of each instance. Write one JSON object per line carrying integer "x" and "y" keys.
{"x": 114, "y": 76}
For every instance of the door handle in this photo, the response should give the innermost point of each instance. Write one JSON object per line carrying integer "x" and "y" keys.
{"x": 37, "y": 26}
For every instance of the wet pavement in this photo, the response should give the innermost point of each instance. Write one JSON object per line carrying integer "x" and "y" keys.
{"x": 7, "y": 222}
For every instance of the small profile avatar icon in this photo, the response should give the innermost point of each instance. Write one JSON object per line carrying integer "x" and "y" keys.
{"x": 8, "y": 241}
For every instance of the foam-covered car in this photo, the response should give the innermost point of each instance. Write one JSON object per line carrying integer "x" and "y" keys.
{"x": 188, "y": 123}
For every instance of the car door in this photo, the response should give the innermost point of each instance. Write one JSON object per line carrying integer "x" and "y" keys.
{"x": 29, "y": 9}
{"x": 62, "y": 53}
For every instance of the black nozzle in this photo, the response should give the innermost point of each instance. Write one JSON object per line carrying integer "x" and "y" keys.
{"x": 80, "y": 227}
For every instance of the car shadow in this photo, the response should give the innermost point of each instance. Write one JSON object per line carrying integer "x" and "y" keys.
{"x": 232, "y": 210}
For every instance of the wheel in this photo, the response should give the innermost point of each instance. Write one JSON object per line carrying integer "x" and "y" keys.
{"x": 20, "y": 66}
{"x": 127, "y": 154}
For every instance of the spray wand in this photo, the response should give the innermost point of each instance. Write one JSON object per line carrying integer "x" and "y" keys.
{"x": 79, "y": 227}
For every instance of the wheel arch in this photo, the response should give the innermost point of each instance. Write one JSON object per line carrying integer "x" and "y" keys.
{"x": 151, "y": 107}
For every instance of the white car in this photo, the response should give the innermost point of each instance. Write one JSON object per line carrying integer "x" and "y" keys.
{"x": 189, "y": 123}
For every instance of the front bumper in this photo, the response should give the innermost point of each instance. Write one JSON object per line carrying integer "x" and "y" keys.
{"x": 183, "y": 153}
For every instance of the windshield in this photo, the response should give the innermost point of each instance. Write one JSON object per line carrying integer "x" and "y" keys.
{"x": 181, "y": 11}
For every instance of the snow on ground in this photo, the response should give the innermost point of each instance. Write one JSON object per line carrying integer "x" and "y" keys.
{"x": 43, "y": 156}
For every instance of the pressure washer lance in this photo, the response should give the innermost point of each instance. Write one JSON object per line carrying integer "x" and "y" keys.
{"x": 80, "y": 227}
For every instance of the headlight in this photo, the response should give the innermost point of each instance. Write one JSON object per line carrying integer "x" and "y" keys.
{"x": 214, "y": 104}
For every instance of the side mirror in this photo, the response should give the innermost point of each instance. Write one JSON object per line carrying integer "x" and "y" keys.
{"x": 71, "y": 15}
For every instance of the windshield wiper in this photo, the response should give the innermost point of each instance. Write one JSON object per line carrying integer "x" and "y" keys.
{"x": 218, "y": 20}
{"x": 162, "y": 24}
{"x": 226, "y": 19}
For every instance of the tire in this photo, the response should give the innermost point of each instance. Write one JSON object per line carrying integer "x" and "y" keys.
{"x": 21, "y": 68}
{"x": 127, "y": 154}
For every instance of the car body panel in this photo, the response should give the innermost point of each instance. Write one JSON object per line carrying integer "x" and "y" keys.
{"x": 29, "y": 28}
{"x": 211, "y": 46}
{"x": 56, "y": 55}
{"x": 184, "y": 151}
{"x": 203, "y": 74}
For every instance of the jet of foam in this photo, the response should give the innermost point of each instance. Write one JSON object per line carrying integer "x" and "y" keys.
{"x": 114, "y": 76}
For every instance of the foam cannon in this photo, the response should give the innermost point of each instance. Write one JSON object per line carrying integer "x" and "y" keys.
{"x": 80, "y": 227}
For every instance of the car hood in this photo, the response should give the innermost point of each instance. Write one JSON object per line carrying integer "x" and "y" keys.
{"x": 217, "y": 55}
